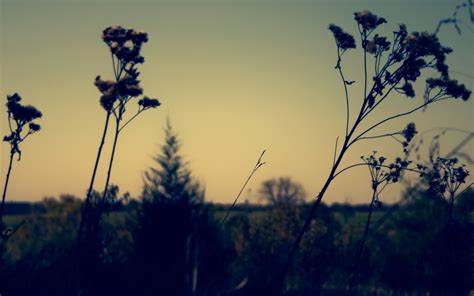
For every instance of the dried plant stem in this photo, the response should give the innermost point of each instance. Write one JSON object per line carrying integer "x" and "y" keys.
{"x": 86, "y": 208}
{"x": 284, "y": 271}
{"x": 75, "y": 279}
{"x": 307, "y": 223}
{"x": 346, "y": 93}
{"x": 2, "y": 207}
{"x": 257, "y": 166}
{"x": 109, "y": 170}
{"x": 5, "y": 188}
{"x": 361, "y": 246}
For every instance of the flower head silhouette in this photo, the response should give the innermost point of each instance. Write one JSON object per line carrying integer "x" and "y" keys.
{"x": 21, "y": 126}
{"x": 343, "y": 40}
{"x": 368, "y": 20}
{"x": 146, "y": 102}
{"x": 20, "y": 116}
{"x": 125, "y": 44}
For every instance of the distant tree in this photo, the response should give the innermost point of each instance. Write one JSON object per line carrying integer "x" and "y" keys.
{"x": 282, "y": 192}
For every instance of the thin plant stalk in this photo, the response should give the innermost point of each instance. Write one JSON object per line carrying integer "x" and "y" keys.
{"x": 109, "y": 170}
{"x": 3, "y": 201}
{"x": 307, "y": 223}
{"x": 5, "y": 188}
{"x": 91, "y": 185}
{"x": 361, "y": 246}
{"x": 118, "y": 130}
{"x": 257, "y": 166}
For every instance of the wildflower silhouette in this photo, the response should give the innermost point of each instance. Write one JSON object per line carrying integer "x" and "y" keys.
{"x": 381, "y": 175}
{"x": 125, "y": 48}
{"x": 398, "y": 64}
{"x": 444, "y": 177}
{"x": 21, "y": 125}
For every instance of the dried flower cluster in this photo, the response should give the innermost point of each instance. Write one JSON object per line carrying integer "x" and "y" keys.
{"x": 20, "y": 116}
{"x": 377, "y": 45}
{"x": 447, "y": 87}
{"x": 383, "y": 173}
{"x": 445, "y": 175}
{"x": 125, "y": 46}
{"x": 146, "y": 103}
{"x": 343, "y": 40}
{"x": 368, "y": 21}
{"x": 407, "y": 56}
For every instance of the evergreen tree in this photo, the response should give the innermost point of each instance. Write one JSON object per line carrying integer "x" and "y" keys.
{"x": 167, "y": 234}
{"x": 171, "y": 179}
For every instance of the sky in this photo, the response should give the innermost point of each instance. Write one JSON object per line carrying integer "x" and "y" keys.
{"x": 234, "y": 77}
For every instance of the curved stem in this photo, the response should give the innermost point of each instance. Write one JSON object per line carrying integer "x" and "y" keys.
{"x": 347, "y": 168}
{"x": 344, "y": 82}
{"x": 394, "y": 117}
{"x": 380, "y": 136}
{"x": 364, "y": 44}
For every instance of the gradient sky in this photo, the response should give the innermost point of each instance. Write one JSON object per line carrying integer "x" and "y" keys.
{"x": 235, "y": 77}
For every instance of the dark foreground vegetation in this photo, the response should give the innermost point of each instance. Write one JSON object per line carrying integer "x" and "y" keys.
{"x": 177, "y": 248}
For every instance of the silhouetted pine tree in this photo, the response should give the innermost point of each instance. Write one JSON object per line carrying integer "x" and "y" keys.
{"x": 171, "y": 179}
{"x": 167, "y": 235}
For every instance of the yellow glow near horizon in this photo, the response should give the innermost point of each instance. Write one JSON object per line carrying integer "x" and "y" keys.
{"x": 235, "y": 78}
